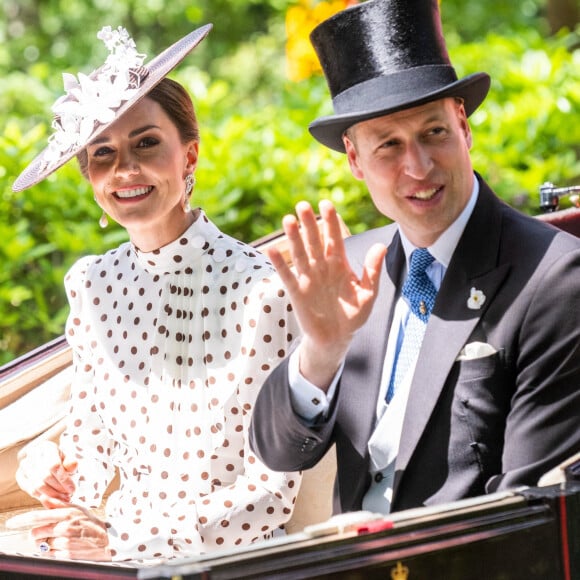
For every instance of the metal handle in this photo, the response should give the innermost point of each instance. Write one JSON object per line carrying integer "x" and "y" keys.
{"x": 550, "y": 196}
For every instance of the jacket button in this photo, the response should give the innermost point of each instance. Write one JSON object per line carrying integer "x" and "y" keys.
{"x": 379, "y": 477}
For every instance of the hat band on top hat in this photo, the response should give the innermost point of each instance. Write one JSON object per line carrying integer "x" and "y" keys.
{"x": 395, "y": 89}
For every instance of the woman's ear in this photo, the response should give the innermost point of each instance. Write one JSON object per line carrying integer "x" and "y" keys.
{"x": 191, "y": 155}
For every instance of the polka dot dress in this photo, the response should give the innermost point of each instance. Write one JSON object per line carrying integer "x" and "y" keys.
{"x": 170, "y": 348}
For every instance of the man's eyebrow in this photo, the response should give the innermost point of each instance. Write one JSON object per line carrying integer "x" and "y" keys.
{"x": 134, "y": 133}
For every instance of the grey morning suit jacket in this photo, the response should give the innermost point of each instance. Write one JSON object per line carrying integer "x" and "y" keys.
{"x": 471, "y": 426}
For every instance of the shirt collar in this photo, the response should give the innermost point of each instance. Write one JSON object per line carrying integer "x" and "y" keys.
{"x": 443, "y": 248}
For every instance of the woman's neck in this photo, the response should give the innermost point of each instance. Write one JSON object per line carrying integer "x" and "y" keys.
{"x": 150, "y": 239}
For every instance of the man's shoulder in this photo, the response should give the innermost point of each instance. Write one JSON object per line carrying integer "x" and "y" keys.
{"x": 531, "y": 233}
{"x": 364, "y": 240}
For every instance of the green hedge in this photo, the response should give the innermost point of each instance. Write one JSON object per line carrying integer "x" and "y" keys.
{"x": 257, "y": 159}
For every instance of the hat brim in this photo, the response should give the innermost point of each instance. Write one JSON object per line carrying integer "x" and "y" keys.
{"x": 157, "y": 69}
{"x": 329, "y": 130}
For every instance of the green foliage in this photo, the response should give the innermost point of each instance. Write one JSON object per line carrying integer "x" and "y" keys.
{"x": 472, "y": 20}
{"x": 43, "y": 230}
{"x": 257, "y": 158}
{"x": 255, "y": 166}
{"x": 526, "y": 132}
{"x": 62, "y": 32}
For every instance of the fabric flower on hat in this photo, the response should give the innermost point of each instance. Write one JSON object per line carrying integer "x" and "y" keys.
{"x": 92, "y": 100}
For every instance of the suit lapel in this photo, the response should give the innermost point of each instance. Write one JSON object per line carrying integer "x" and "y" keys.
{"x": 474, "y": 265}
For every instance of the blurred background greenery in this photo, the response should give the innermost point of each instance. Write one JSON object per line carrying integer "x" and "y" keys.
{"x": 256, "y": 88}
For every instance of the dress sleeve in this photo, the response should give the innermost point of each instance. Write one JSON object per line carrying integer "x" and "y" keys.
{"x": 84, "y": 437}
{"x": 260, "y": 500}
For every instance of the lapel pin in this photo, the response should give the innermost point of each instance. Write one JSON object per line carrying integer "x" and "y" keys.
{"x": 476, "y": 299}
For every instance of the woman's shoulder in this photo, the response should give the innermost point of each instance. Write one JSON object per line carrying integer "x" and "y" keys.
{"x": 243, "y": 256}
{"x": 85, "y": 266}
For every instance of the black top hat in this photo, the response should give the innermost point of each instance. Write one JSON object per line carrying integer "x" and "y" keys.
{"x": 384, "y": 56}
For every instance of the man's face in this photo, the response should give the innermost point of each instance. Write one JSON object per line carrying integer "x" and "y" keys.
{"x": 416, "y": 166}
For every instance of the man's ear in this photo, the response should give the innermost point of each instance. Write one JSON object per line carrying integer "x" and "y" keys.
{"x": 468, "y": 135}
{"x": 465, "y": 126}
{"x": 352, "y": 156}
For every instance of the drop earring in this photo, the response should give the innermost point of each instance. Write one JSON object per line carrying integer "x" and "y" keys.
{"x": 104, "y": 220}
{"x": 189, "y": 183}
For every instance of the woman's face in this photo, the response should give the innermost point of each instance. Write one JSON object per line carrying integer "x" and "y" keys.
{"x": 137, "y": 169}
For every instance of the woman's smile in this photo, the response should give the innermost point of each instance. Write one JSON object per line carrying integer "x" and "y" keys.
{"x": 133, "y": 193}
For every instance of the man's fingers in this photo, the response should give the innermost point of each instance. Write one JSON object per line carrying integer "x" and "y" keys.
{"x": 306, "y": 241}
{"x": 334, "y": 242}
{"x": 284, "y": 271}
{"x": 373, "y": 265}
{"x": 298, "y": 254}
{"x": 310, "y": 232}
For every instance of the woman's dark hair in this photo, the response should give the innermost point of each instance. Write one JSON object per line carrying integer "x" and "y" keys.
{"x": 176, "y": 103}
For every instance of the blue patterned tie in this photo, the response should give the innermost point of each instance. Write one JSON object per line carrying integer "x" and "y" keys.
{"x": 420, "y": 293}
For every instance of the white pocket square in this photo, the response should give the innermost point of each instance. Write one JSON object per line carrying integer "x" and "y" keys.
{"x": 475, "y": 350}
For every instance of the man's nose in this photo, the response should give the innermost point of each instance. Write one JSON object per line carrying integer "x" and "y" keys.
{"x": 418, "y": 161}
